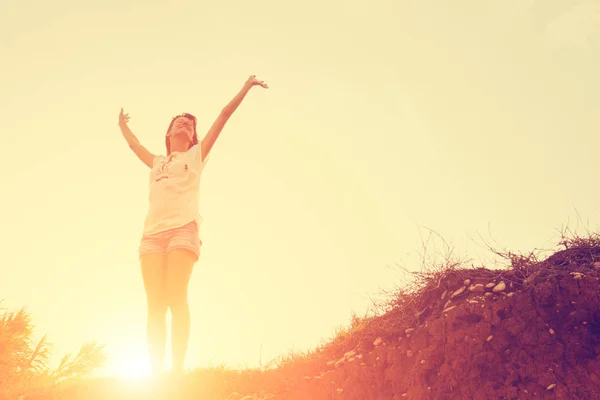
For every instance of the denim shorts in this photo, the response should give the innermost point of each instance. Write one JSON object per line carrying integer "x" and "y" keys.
{"x": 184, "y": 237}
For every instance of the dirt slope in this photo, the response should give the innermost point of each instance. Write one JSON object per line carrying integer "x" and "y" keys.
{"x": 529, "y": 331}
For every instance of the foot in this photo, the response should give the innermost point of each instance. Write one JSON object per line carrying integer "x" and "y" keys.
{"x": 176, "y": 377}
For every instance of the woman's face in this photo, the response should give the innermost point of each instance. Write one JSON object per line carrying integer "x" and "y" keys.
{"x": 182, "y": 126}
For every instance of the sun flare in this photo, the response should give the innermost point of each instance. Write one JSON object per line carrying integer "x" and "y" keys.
{"x": 130, "y": 366}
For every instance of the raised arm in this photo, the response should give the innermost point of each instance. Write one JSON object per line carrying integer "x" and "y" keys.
{"x": 217, "y": 126}
{"x": 139, "y": 150}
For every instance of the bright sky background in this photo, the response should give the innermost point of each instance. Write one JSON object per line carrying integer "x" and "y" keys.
{"x": 479, "y": 117}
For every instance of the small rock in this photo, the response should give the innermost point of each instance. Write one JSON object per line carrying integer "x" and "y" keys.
{"x": 577, "y": 277}
{"x": 551, "y": 331}
{"x": 422, "y": 361}
{"x": 444, "y": 294}
{"x": 499, "y": 287}
{"x": 350, "y": 353}
{"x": 597, "y": 265}
{"x": 467, "y": 282}
{"x": 477, "y": 288}
{"x": 339, "y": 390}
{"x": 318, "y": 377}
{"x": 511, "y": 294}
{"x": 377, "y": 341}
{"x": 331, "y": 363}
{"x": 351, "y": 359}
{"x": 448, "y": 309}
{"x": 447, "y": 303}
{"x": 359, "y": 356}
{"x": 339, "y": 362}
{"x": 409, "y": 353}
{"x": 409, "y": 330}
{"x": 306, "y": 378}
{"x": 457, "y": 292}
{"x": 490, "y": 285}
{"x": 488, "y": 294}
{"x": 489, "y": 338}
{"x": 550, "y": 387}
{"x": 404, "y": 394}
{"x": 584, "y": 322}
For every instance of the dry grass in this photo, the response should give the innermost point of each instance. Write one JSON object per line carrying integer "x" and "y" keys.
{"x": 407, "y": 305}
{"x": 24, "y": 363}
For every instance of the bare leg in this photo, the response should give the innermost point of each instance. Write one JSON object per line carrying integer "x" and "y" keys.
{"x": 153, "y": 272}
{"x": 180, "y": 263}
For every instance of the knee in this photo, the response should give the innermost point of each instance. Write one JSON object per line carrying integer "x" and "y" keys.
{"x": 157, "y": 306}
{"x": 177, "y": 301}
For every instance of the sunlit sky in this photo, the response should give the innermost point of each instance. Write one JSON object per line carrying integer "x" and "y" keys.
{"x": 381, "y": 121}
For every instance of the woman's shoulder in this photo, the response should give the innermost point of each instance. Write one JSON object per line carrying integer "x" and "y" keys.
{"x": 157, "y": 158}
{"x": 194, "y": 151}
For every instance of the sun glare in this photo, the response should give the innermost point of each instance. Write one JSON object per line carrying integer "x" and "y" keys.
{"x": 130, "y": 365}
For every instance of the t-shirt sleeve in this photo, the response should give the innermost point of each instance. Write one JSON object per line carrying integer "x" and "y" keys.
{"x": 198, "y": 155}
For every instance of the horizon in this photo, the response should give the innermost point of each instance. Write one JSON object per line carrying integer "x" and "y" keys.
{"x": 381, "y": 125}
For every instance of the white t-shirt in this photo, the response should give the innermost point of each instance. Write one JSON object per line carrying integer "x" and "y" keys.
{"x": 175, "y": 190}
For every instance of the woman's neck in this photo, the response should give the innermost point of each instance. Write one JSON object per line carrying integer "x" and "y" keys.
{"x": 179, "y": 145}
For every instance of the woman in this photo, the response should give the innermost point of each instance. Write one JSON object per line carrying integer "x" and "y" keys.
{"x": 170, "y": 244}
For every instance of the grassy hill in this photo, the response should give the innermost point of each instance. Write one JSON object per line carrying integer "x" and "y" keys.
{"x": 528, "y": 330}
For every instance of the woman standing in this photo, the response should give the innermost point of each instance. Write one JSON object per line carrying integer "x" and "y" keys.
{"x": 170, "y": 244}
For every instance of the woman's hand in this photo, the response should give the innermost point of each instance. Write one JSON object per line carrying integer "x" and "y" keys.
{"x": 123, "y": 118}
{"x": 252, "y": 81}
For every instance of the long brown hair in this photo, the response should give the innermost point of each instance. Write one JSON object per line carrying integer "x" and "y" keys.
{"x": 194, "y": 137}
